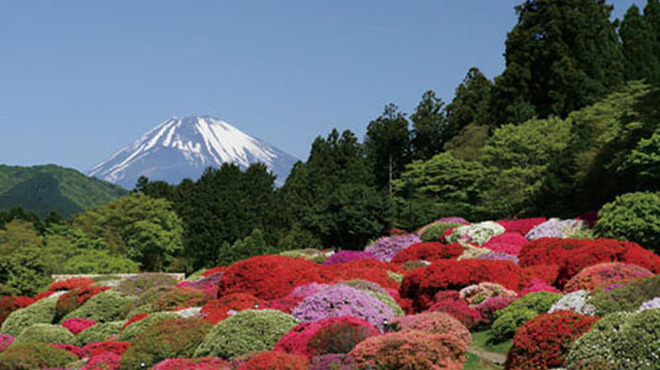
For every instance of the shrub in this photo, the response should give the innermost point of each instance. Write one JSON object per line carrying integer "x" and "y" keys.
{"x": 74, "y": 298}
{"x": 496, "y": 256}
{"x": 555, "y": 228}
{"x": 307, "y": 290}
{"x": 435, "y": 232}
{"x": 422, "y": 284}
{"x": 386, "y": 247}
{"x": 577, "y": 302}
{"x": 70, "y": 348}
{"x": 200, "y": 363}
{"x": 544, "y": 341}
{"x": 378, "y": 274}
{"x": 488, "y": 308}
{"x": 573, "y": 255}
{"x": 343, "y": 300}
{"x": 273, "y": 360}
{"x": 431, "y": 251}
{"x": 539, "y": 302}
{"x": 71, "y": 284}
{"x": 248, "y": 330}
{"x": 98, "y": 333}
{"x": 165, "y": 339}
{"x": 129, "y": 332}
{"x": 508, "y": 242}
{"x": 505, "y": 326}
{"x": 522, "y": 226}
{"x": 333, "y": 362}
{"x": 410, "y": 350}
{"x": 605, "y": 274}
{"x": 269, "y": 277}
{"x": 538, "y": 285}
{"x": 218, "y": 309}
{"x": 181, "y": 298}
{"x": 475, "y": 233}
{"x": 460, "y": 310}
{"x": 34, "y": 356}
{"x": 10, "y": 304}
{"x": 103, "y": 361}
{"x": 432, "y": 323}
{"x": 97, "y": 348}
{"x": 45, "y": 333}
{"x": 626, "y": 298}
{"x": 146, "y": 301}
{"x": 40, "y": 312}
{"x": 103, "y": 307}
{"x": 5, "y": 341}
{"x": 477, "y": 293}
{"x": 286, "y": 304}
{"x": 347, "y": 256}
{"x": 332, "y": 335}
{"x": 621, "y": 340}
{"x": 208, "y": 284}
{"x": 136, "y": 285}
{"x": 634, "y": 217}
{"x": 649, "y": 305}
{"x": 378, "y": 292}
{"x": 76, "y": 325}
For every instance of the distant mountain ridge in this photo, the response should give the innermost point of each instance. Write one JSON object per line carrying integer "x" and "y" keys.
{"x": 46, "y": 188}
{"x": 182, "y": 148}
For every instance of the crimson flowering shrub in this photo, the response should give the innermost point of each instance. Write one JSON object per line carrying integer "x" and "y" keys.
{"x": 218, "y": 309}
{"x": 396, "y": 231}
{"x": 96, "y": 348}
{"x": 70, "y": 284}
{"x": 135, "y": 318}
{"x": 460, "y": 310}
{"x": 10, "y": 304}
{"x": 200, "y": 363}
{"x": 538, "y": 285}
{"x": 215, "y": 270}
{"x": 422, "y": 284}
{"x": 182, "y": 298}
{"x": 432, "y": 323}
{"x": 71, "y": 348}
{"x": 103, "y": 361}
{"x": 5, "y": 341}
{"x": 43, "y": 295}
{"x": 352, "y": 271}
{"x": 432, "y": 251}
{"x": 269, "y": 277}
{"x": 286, "y": 304}
{"x": 410, "y": 350}
{"x": 342, "y": 300}
{"x": 307, "y": 289}
{"x": 336, "y": 361}
{"x": 275, "y": 360}
{"x": 76, "y": 325}
{"x": 604, "y": 275}
{"x": 544, "y": 342}
{"x": 546, "y": 273}
{"x": 347, "y": 256}
{"x": 491, "y": 305}
{"x": 333, "y": 335}
{"x": 509, "y": 242}
{"x": 208, "y": 284}
{"x": 75, "y": 298}
{"x": 573, "y": 255}
{"x": 590, "y": 217}
{"x": 386, "y": 247}
{"x": 522, "y": 226}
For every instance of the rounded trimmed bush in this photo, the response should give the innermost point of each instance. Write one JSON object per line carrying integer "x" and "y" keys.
{"x": 76, "y": 325}
{"x": 458, "y": 309}
{"x": 136, "y": 285}
{"x": 247, "y": 331}
{"x": 386, "y": 247}
{"x": 626, "y": 298}
{"x": 505, "y": 326}
{"x": 521, "y": 226}
{"x": 376, "y": 291}
{"x": 34, "y": 356}
{"x": 98, "y": 333}
{"x": 341, "y": 300}
{"x": 73, "y": 299}
{"x": 6, "y": 340}
{"x": 131, "y": 330}
{"x": 477, "y": 293}
{"x": 200, "y": 363}
{"x": 539, "y": 302}
{"x": 333, "y": 362}
{"x": 40, "y": 312}
{"x": 577, "y": 302}
{"x": 274, "y": 360}
{"x": 435, "y": 232}
{"x": 165, "y": 339}
{"x": 71, "y": 284}
{"x": 478, "y": 233}
{"x": 431, "y": 251}
{"x": 432, "y": 323}
{"x": 10, "y": 304}
{"x": 45, "y": 333}
{"x": 544, "y": 341}
{"x": 104, "y": 307}
{"x": 488, "y": 308}
{"x": 556, "y": 228}
{"x": 219, "y": 309}
{"x": 410, "y": 351}
{"x": 346, "y": 257}
{"x": 180, "y": 298}
{"x": 605, "y": 274}
{"x": 634, "y": 217}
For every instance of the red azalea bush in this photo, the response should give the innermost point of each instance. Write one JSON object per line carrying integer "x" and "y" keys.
{"x": 11, "y": 304}
{"x": 522, "y": 226}
{"x": 180, "y": 298}
{"x": 200, "y": 363}
{"x": 208, "y": 284}
{"x": 331, "y": 335}
{"x": 460, "y": 310}
{"x": 70, "y": 284}
{"x": 75, "y": 297}
{"x": 285, "y": 304}
{"x": 135, "y": 318}
{"x": 573, "y": 255}
{"x": 97, "y": 348}
{"x": 432, "y": 251}
{"x": 422, "y": 284}
{"x": 377, "y": 276}
{"x": 604, "y": 275}
{"x": 347, "y": 256}
{"x": 488, "y": 307}
{"x": 104, "y": 361}
{"x": 538, "y": 285}
{"x": 546, "y": 273}
{"x": 269, "y": 277}
{"x": 218, "y": 309}
{"x": 410, "y": 350}
{"x": 274, "y": 360}
{"x": 43, "y": 295}
{"x": 432, "y": 323}
{"x": 71, "y": 348}
{"x": 544, "y": 342}
{"x": 76, "y": 325}
{"x": 215, "y": 270}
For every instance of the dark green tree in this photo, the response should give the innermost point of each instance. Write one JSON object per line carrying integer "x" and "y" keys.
{"x": 639, "y": 47}
{"x": 429, "y": 127}
{"x": 470, "y": 104}
{"x": 561, "y": 56}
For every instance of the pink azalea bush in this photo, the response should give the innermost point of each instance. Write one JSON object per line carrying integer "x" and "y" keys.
{"x": 386, "y": 247}
{"x": 71, "y": 348}
{"x": 347, "y": 256}
{"x": 538, "y": 285}
{"x": 605, "y": 274}
{"x": 5, "y": 341}
{"x": 76, "y": 325}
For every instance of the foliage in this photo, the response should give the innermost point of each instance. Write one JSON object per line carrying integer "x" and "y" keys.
{"x": 9, "y": 304}
{"x": 219, "y": 309}
{"x": 640, "y": 45}
{"x": 432, "y": 323}
{"x": 346, "y": 256}
{"x": 200, "y": 363}
{"x": 103, "y": 307}
{"x": 24, "y": 272}
{"x": 429, "y": 131}
{"x": 626, "y": 298}
{"x": 479, "y": 233}
{"x": 248, "y": 330}
{"x": 410, "y": 350}
{"x": 538, "y": 302}
{"x": 544, "y": 341}
{"x": 469, "y": 106}
{"x": 435, "y": 231}
{"x": 477, "y": 293}
{"x": 181, "y": 298}
{"x": 40, "y": 312}
{"x": 459, "y": 309}
{"x": 431, "y": 251}
{"x": 634, "y": 217}
{"x": 275, "y": 360}
{"x": 605, "y": 274}
{"x": 74, "y": 298}
{"x": 130, "y": 330}
{"x": 505, "y": 326}
{"x": 34, "y": 356}
{"x": 98, "y": 333}
{"x": 165, "y": 339}
{"x": 45, "y": 333}
{"x": 252, "y": 245}
{"x": 490, "y": 306}
{"x": 136, "y": 285}
{"x": 99, "y": 262}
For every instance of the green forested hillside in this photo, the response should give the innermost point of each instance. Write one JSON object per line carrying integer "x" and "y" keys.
{"x": 47, "y": 188}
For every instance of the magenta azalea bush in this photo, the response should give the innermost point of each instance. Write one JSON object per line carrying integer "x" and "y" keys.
{"x": 5, "y": 341}
{"x": 342, "y": 300}
{"x": 307, "y": 289}
{"x": 538, "y": 285}
{"x": 385, "y": 248}
{"x": 347, "y": 256}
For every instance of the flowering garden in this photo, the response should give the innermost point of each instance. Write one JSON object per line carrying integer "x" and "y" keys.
{"x": 539, "y": 293}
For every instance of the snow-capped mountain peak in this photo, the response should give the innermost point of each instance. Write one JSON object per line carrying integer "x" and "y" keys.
{"x": 184, "y": 147}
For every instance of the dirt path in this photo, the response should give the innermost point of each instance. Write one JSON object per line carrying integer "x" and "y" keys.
{"x": 490, "y": 356}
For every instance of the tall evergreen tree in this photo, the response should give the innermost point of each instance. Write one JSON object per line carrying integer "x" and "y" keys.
{"x": 652, "y": 19}
{"x": 429, "y": 126}
{"x": 470, "y": 104}
{"x": 639, "y": 47}
{"x": 561, "y": 56}
{"x": 387, "y": 145}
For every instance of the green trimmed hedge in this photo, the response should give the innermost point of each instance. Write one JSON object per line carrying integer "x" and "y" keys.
{"x": 45, "y": 333}
{"x": 40, "y": 312}
{"x": 104, "y": 307}
{"x": 34, "y": 356}
{"x": 626, "y": 298}
{"x": 98, "y": 333}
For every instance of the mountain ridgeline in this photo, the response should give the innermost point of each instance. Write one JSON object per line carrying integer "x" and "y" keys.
{"x": 42, "y": 189}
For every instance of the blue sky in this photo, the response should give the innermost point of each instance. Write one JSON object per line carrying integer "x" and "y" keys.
{"x": 81, "y": 79}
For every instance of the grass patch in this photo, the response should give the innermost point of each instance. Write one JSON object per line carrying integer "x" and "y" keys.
{"x": 481, "y": 341}
{"x": 474, "y": 362}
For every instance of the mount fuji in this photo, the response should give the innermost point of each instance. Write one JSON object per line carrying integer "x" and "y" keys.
{"x": 182, "y": 148}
